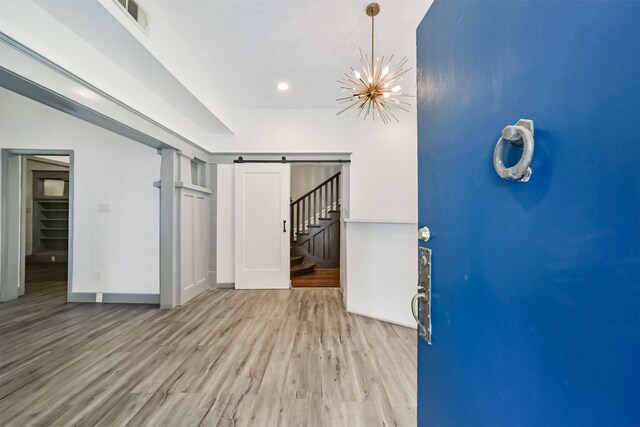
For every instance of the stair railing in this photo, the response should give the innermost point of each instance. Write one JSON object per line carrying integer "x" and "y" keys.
{"x": 316, "y": 204}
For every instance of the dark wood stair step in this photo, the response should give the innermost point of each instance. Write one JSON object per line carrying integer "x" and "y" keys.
{"x": 302, "y": 269}
{"x": 297, "y": 259}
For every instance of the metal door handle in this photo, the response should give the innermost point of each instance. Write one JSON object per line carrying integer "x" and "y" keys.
{"x": 284, "y": 226}
{"x": 414, "y": 306}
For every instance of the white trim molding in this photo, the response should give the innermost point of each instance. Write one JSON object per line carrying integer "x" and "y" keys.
{"x": 30, "y": 74}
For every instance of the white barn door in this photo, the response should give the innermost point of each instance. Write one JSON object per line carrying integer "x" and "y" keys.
{"x": 262, "y": 225}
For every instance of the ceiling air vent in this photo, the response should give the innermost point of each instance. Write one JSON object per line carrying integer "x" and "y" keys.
{"x": 135, "y": 12}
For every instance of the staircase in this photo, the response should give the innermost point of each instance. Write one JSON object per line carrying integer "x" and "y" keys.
{"x": 315, "y": 231}
{"x": 299, "y": 267}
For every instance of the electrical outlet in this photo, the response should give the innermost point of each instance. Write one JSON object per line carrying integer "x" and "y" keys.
{"x": 53, "y": 259}
{"x": 98, "y": 296}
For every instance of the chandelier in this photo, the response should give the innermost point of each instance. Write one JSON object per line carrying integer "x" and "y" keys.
{"x": 374, "y": 91}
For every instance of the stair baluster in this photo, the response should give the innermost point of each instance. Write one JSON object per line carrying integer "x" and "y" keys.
{"x": 323, "y": 200}
{"x": 331, "y": 194}
{"x": 315, "y": 207}
{"x": 337, "y": 192}
{"x": 297, "y": 219}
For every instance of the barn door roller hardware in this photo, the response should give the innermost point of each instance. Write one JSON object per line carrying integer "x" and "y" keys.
{"x": 240, "y": 159}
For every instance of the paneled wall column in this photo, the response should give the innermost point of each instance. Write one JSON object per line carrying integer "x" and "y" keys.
{"x": 10, "y": 221}
{"x": 169, "y": 175}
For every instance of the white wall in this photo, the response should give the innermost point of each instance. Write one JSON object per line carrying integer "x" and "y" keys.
{"x": 123, "y": 244}
{"x": 225, "y": 225}
{"x": 32, "y": 24}
{"x": 58, "y": 159}
{"x": 166, "y": 44}
{"x": 383, "y": 187}
{"x": 384, "y": 158}
{"x": 382, "y": 271}
{"x": 306, "y": 177}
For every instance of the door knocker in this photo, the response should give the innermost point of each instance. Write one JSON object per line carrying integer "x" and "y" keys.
{"x": 519, "y": 134}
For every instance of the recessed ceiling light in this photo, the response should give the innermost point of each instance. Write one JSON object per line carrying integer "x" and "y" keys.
{"x": 283, "y": 86}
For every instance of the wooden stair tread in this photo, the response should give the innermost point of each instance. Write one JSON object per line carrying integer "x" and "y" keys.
{"x": 304, "y": 268}
{"x": 296, "y": 259}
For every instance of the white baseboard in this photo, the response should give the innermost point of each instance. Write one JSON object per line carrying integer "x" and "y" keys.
{"x": 117, "y": 298}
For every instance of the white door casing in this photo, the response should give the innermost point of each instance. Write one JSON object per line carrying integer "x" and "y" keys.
{"x": 262, "y": 192}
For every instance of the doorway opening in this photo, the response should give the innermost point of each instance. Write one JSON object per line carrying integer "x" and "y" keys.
{"x": 46, "y": 224}
{"x": 38, "y": 193}
{"x": 315, "y": 212}
{"x": 289, "y": 222}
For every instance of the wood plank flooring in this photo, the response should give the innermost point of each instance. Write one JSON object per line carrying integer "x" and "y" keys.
{"x": 39, "y": 276}
{"x": 227, "y": 358}
{"x": 320, "y": 278}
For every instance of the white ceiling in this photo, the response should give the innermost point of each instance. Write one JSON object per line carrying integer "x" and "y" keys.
{"x": 250, "y": 46}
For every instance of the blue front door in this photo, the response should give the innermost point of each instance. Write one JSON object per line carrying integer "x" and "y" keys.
{"x": 536, "y": 285}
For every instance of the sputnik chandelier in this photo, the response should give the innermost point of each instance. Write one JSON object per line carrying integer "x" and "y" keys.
{"x": 375, "y": 91}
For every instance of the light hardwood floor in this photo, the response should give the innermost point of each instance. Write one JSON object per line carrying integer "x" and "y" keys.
{"x": 320, "y": 278}
{"x": 228, "y": 358}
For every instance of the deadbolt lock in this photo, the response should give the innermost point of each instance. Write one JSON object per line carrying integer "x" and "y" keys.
{"x": 421, "y": 302}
